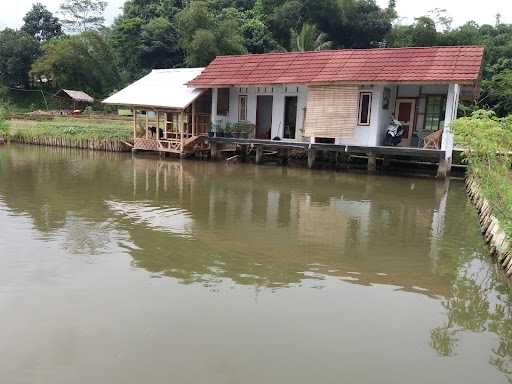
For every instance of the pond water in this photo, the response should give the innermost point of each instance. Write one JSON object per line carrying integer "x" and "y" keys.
{"x": 116, "y": 269}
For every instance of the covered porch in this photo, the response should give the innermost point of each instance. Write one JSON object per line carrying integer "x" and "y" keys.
{"x": 168, "y": 116}
{"x": 171, "y": 130}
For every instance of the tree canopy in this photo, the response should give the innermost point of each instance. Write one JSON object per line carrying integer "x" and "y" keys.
{"x": 40, "y": 23}
{"x": 151, "y": 34}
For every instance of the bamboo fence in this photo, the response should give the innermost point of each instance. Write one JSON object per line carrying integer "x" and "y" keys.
{"x": 499, "y": 243}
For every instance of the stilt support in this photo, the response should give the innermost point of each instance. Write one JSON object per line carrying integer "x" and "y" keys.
{"x": 311, "y": 158}
{"x": 444, "y": 168}
{"x": 372, "y": 162}
{"x": 214, "y": 153}
{"x": 259, "y": 154}
{"x": 283, "y": 156}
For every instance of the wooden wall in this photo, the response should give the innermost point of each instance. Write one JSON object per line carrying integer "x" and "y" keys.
{"x": 331, "y": 111}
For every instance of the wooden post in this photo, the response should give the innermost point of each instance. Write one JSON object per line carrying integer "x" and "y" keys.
{"x": 134, "y": 111}
{"x": 311, "y": 158}
{"x": 259, "y": 154}
{"x": 443, "y": 168}
{"x": 147, "y": 123}
{"x": 243, "y": 153}
{"x": 213, "y": 150}
{"x": 372, "y": 162}
{"x": 283, "y": 156}
{"x": 158, "y": 124}
{"x": 180, "y": 123}
{"x": 194, "y": 128}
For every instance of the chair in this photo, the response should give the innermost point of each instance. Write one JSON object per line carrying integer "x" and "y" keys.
{"x": 433, "y": 141}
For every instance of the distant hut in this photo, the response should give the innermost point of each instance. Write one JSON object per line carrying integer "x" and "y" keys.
{"x": 73, "y": 100}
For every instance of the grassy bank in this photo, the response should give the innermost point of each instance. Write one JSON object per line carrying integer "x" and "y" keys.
{"x": 488, "y": 152}
{"x": 101, "y": 135}
{"x": 71, "y": 128}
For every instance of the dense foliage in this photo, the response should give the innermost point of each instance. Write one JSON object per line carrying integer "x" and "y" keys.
{"x": 487, "y": 140}
{"x": 152, "y": 34}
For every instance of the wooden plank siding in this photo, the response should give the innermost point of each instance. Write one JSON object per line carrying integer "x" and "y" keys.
{"x": 331, "y": 111}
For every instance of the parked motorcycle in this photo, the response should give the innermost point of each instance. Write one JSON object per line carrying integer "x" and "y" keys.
{"x": 394, "y": 133}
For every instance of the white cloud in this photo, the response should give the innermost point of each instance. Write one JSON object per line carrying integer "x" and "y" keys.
{"x": 460, "y": 10}
{"x": 12, "y": 11}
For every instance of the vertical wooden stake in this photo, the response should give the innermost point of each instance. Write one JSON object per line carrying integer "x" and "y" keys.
{"x": 194, "y": 128}
{"x": 259, "y": 154}
{"x": 372, "y": 162}
{"x": 134, "y": 111}
{"x": 311, "y": 158}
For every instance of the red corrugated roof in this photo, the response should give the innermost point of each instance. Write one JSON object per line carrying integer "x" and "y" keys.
{"x": 429, "y": 64}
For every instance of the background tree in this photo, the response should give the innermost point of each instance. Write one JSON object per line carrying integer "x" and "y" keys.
{"x": 18, "y": 50}
{"x": 206, "y": 34}
{"x": 82, "y": 62}
{"x": 83, "y": 15}
{"x": 309, "y": 39}
{"x": 40, "y": 23}
{"x": 145, "y": 37}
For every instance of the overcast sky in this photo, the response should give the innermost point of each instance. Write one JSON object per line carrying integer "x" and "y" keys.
{"x": 12, "y": 11}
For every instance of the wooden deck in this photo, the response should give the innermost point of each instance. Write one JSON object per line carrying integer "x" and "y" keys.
{"x": 341, "y": 152}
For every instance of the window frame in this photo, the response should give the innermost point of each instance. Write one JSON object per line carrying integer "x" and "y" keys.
{"x": 240, "y": 98}
{"x": 369, "y": 114}
{"x": 442, "y": 111}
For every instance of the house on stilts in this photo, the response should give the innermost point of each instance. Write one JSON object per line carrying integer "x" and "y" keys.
{"x": 338, "y": 98}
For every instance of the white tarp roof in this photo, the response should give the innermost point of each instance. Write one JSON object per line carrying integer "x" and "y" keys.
{"x": 164, "y": 88}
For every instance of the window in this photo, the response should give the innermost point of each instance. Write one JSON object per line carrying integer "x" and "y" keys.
{"x": 242, "y": 108}
{"x": 223, "y": 102}
{"x": 434, "y": 113}
{"x": 365, "y": 107}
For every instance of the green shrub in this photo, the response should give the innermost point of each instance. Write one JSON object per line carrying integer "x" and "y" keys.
{"x": 487, "y": 143}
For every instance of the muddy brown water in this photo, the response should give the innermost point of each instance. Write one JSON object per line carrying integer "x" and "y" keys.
{"x": 116, "y": 269}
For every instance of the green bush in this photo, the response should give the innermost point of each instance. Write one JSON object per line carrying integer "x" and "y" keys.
{"x": 487, "y": 143}
{"x": 4, "y": 125}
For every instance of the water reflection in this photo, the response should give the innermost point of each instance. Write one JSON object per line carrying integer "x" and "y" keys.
{"x": 262, "y": 225}
{"x": 370, "y": 246}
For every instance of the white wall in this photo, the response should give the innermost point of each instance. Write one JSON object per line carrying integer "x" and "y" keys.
{"x": 368, "y": 135}
{"x": 278, "y": 93}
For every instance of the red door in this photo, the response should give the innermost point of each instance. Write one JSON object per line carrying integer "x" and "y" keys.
{"x": 405, "y": 114}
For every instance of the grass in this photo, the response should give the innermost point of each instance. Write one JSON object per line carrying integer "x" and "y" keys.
{"x": 488, "y": 151}
{"x": 79, "y": 129}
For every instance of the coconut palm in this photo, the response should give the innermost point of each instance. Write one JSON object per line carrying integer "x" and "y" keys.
{"x": 309, "y": 39}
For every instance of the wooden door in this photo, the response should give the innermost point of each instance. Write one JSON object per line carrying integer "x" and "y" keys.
{"x": 405, "y": 112}
{"x": 264, "y": 117}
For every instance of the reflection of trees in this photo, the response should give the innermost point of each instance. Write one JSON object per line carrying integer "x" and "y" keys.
{"x": 478, "y": 302}
{"x": 268, "y": 225}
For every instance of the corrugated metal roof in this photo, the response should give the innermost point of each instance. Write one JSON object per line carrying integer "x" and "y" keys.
{"x": 429, "y": 64}
{"x": 76, "y": 95}
{"x": 162, "y": 88}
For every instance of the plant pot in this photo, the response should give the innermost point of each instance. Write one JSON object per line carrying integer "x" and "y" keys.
{"x": 211, "y": 134}
{"x": 219, "y": 134}
{"x": 236, "y": 135}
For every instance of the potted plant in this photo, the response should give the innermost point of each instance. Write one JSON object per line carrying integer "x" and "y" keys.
{"x": 235, "y": 130}
{"x": 212, "y": 130}
{"x": 227, "y": 130}
{"x": 245, "y": 128}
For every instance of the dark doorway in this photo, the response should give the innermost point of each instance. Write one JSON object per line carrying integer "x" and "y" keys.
{"x": 290, "y": 117}
{"x": 264, "y": 117}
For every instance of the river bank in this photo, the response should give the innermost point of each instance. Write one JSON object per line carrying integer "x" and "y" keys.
{"x": 488, "y": 143}
{"x": 100, "y": 135}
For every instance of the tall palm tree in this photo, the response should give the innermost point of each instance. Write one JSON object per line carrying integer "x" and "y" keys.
{"x": 309, "y": 39}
